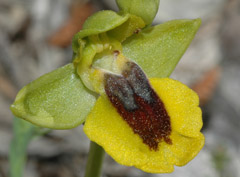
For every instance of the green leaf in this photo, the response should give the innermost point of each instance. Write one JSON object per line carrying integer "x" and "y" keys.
{"x": 158, "y": 49}
{"x": 146, "y": 9}
{"x": 98, "y": 23}
{"x": 23, "y": 132}
{"x": 57, "y": 100}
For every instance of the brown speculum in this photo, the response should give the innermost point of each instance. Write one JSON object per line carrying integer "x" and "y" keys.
{"x": 139, "y": 105}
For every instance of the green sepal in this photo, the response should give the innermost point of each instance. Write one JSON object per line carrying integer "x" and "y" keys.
{"x": 158, "y": 49}
{"x": 127, "y": 29}
{"x": 57, "y": 100}
{"x": 146, "y": 9}
{"x": 98, "y": 23}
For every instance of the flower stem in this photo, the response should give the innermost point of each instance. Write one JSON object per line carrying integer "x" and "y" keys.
{"x": 95, "y": 158}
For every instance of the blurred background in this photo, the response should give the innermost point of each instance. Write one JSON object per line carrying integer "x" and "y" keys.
{"x": 35, "y": 38}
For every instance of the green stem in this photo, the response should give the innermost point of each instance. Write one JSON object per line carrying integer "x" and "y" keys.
{"x": 23, "y": 134}
{"x": 94, "y": 163}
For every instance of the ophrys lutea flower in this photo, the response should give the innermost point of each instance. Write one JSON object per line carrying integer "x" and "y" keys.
{"x": 152, "y": 124}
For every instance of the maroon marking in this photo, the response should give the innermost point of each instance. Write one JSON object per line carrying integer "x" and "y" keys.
{"x": 139, "y": 105}
{"x": 137, "y": 31}
{"x": 116, "y": 53}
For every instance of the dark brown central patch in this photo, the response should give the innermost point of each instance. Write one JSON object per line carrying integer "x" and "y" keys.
{"x": 139, "y": 105}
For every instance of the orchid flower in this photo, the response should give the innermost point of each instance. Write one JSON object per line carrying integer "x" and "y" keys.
{"x": 118, "y": 86}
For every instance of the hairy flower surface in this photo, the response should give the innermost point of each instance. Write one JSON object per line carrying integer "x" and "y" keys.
{"x": 150, "y": 124}
{"x": 106, "y": 127}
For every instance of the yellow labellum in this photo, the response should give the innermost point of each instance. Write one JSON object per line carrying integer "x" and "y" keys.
{"x": 107, "y": 128}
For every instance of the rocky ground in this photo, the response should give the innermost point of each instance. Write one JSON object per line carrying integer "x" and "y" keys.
{"x": 35, "y": 38}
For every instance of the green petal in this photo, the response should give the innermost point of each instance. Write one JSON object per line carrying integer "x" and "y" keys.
{"x": 128, "y": 28}
{"x": 147, "y": 10}
{"x": 103, "y": 21}
{"x": 158, "y": 49}
{"x": 56, "y": 100}
{"x": 98, "y": 23}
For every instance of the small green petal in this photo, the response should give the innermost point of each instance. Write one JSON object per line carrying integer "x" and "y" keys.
{"x": 128, "y": 28}
{"x": 147, "y": 10}
{"x": 104, "y": 20}
{"x": 98, "y": 23}
{"x": 158, "y": 49}
{"x": 56, "y": 100}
